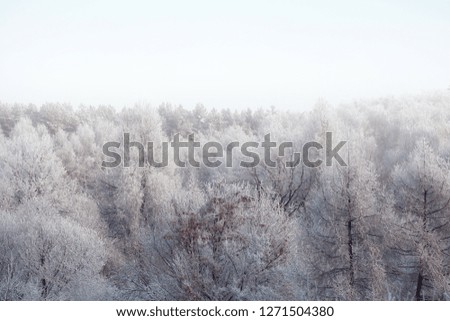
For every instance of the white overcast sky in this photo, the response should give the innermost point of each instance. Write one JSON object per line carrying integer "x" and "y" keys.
{"x": 227, "y": 53}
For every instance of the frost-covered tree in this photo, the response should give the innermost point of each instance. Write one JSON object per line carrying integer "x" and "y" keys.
{"x": 422, "y": 189}
{"x": 49, "y": 226}
{"x": 346, "y": 224}
{"x": 46, "y": 256}
{"x": 224, "y": 243}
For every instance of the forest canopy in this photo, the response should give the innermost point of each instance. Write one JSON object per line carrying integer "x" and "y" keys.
{"x": 375, "y": 229}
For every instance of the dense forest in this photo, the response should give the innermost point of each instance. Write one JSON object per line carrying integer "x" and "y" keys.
{"x": 375, "y": 229}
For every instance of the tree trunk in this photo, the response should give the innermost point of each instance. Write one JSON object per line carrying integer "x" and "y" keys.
{"x": 350, "y": 252}
{"x": 419, "y": 296}
{"x": 44, "y": 284}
